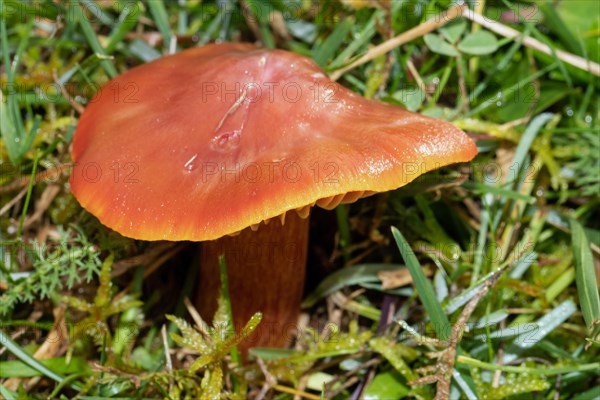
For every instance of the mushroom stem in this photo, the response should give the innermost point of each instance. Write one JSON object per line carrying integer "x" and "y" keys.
{"x": 266, "y": 271}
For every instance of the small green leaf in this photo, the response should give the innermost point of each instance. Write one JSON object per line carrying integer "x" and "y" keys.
{"x": 212, "y": 383}
{"x": 394, "y": 353}
{"x": 191, "y": 339}
{"x": 439, "y": 45}
{"x": 201, "y": 362}
{"x": 248, "y": 329}
{"x": 513, "y": 385}
{"x": 269, "y": 353}
{"x": 479, "y": 43}
{"x": 103, "y": 295}
{"x": 386, "y": 385}
{"x": 317, "y": 381}
{"x": 453, "y": 30}
{"x": 389, "y": 350}
{"x": 411, "y": 98}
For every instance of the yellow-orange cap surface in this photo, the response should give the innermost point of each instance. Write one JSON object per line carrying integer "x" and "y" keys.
{"x": 214, "y": 139}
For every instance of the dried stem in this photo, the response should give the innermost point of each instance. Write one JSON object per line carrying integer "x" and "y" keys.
{"x": 448, "y": 355}
{"x": 511, "y": 33}
{"x": 428, "y": 26}
{"x": 460, "y": 10}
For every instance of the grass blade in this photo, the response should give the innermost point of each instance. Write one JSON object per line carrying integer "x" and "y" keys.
{"x": 480, "y": 188}
{"x": 424, "y": 288}
{"x": 8, "y": 394}
{"x": 18, "y": 369}
{"x": 158, "y": 11}
{"x": 464, "y": 385}
{"x": 360, "y": 40}
{"x": 8, "y": 128}
{"x": 22, "y": 355}
{"x": 538, "y": 370}
{"x": 526, "y": 140}
{"x": 90, "y": 35}
{"x": 127, "y": 21}
{"x": 143, "y": 50}
{"x": 556, "y": 24}
{"x": 341, "y": 213}
{"x": 545, "y": 325}
{"x": 511, "y": 90}
{"x": 585, "y": 275}
{"x": 357, "y": 274}
{"x": 235, "y": 354}
{"x": 11, "y": 122}
{"x": 97, "y": 12}
{"x": 28, "y": 197}
{"x": 385, "y": 347}
{"x": 326, "y": 50}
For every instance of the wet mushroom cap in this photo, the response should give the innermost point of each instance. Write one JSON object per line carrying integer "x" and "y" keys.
{"x": 214, "y": 139}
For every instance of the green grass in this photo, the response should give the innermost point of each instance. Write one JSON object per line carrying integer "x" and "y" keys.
{"x": 523, "y": 215}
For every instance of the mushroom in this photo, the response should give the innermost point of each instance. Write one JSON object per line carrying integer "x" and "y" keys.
{"x": 227, "y": 139}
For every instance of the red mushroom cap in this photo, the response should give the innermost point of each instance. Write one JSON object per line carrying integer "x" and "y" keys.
{"x": 212, "y": 140}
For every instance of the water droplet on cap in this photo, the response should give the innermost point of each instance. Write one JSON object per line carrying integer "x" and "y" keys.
{"x": 226, "y": 141}
{"x": 190, "y": 165}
